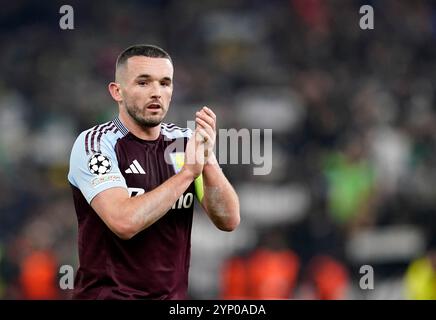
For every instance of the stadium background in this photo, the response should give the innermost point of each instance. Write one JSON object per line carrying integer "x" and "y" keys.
{"x": 352, "y": 114}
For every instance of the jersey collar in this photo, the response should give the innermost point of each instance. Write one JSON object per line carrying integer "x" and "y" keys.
{"x": 120, "y": 126}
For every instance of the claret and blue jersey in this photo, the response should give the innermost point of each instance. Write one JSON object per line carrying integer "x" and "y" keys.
{"x": 153, "y": 264}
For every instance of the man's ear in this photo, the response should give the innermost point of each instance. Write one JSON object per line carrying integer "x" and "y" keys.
{"x": 114, "y": 89}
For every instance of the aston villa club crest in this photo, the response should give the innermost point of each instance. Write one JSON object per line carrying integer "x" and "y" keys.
{"x": 177, "y": 160}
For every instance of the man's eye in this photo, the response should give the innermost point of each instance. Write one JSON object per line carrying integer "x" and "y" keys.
{"x": 165, "y": 84}
{"x": 142, "y": 83}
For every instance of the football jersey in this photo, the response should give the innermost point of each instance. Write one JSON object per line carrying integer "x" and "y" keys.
{"x": 154, "y": 263}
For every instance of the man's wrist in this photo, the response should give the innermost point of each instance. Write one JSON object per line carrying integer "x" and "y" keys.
{"x": 187, "y": 174}
{"x": 211, "y": 159}
{"x": 211, "y": 163}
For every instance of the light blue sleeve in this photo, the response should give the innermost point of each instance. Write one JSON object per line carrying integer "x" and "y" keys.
{"x": 94, "y": 173}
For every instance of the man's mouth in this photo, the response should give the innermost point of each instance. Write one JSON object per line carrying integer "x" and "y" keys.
{"x": 154, "y": 106}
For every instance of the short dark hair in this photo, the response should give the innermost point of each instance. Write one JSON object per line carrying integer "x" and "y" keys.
{"x": 146, "y": 50}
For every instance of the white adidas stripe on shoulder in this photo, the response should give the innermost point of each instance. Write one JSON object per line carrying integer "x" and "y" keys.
{"x": 172, "y": 131}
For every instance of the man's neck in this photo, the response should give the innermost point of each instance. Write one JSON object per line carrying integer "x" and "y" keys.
{"x": 151, "y": 133}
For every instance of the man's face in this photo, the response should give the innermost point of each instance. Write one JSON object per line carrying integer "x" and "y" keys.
{"x": 146, "y": 89}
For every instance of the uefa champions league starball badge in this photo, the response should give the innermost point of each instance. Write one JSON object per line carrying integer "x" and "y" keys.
{"x": 99, "y": 164}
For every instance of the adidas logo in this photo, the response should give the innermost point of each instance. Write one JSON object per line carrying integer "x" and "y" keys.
{"x": 136, "y": 168}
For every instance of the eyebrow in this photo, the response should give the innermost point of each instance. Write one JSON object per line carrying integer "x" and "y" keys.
{"x": 147, "y": 76}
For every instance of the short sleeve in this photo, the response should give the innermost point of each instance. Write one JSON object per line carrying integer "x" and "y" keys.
{"x": 93, "y": 173}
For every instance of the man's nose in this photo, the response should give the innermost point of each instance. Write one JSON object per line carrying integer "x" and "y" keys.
{"x": 155, "y": 90}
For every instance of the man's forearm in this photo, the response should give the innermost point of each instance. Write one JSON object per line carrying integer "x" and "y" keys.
{"x": 147, "y": 208}
{"x": 220, "y": 200}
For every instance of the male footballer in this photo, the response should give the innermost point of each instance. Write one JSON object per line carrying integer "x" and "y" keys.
{"x": 134, "y": 193}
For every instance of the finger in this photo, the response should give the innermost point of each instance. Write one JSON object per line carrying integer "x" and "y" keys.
{"x": 210, "y": 112}
{"x": 202, "y": 124}
{"x": 205, "y": 125}
{"x": 199, "y": 134}
{"x": 206, "y": 138}
{"x": 199, "y": 147}
{"x": 204, "y": 135}
{"x": 205, "y": 117}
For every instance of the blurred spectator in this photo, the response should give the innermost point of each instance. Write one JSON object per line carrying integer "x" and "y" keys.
{"x": 326, "y": 279}
{"x": 234, "y": 282}
{"x": 269, "y": 272}
{"x": 39, "y": 276}
{"x": 350, "y": 184}
{"x": 272, "y": 273}
{"x": 420, "y": 276}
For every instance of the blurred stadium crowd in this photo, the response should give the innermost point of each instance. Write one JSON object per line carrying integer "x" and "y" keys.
{"x": 353, "y": 120}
